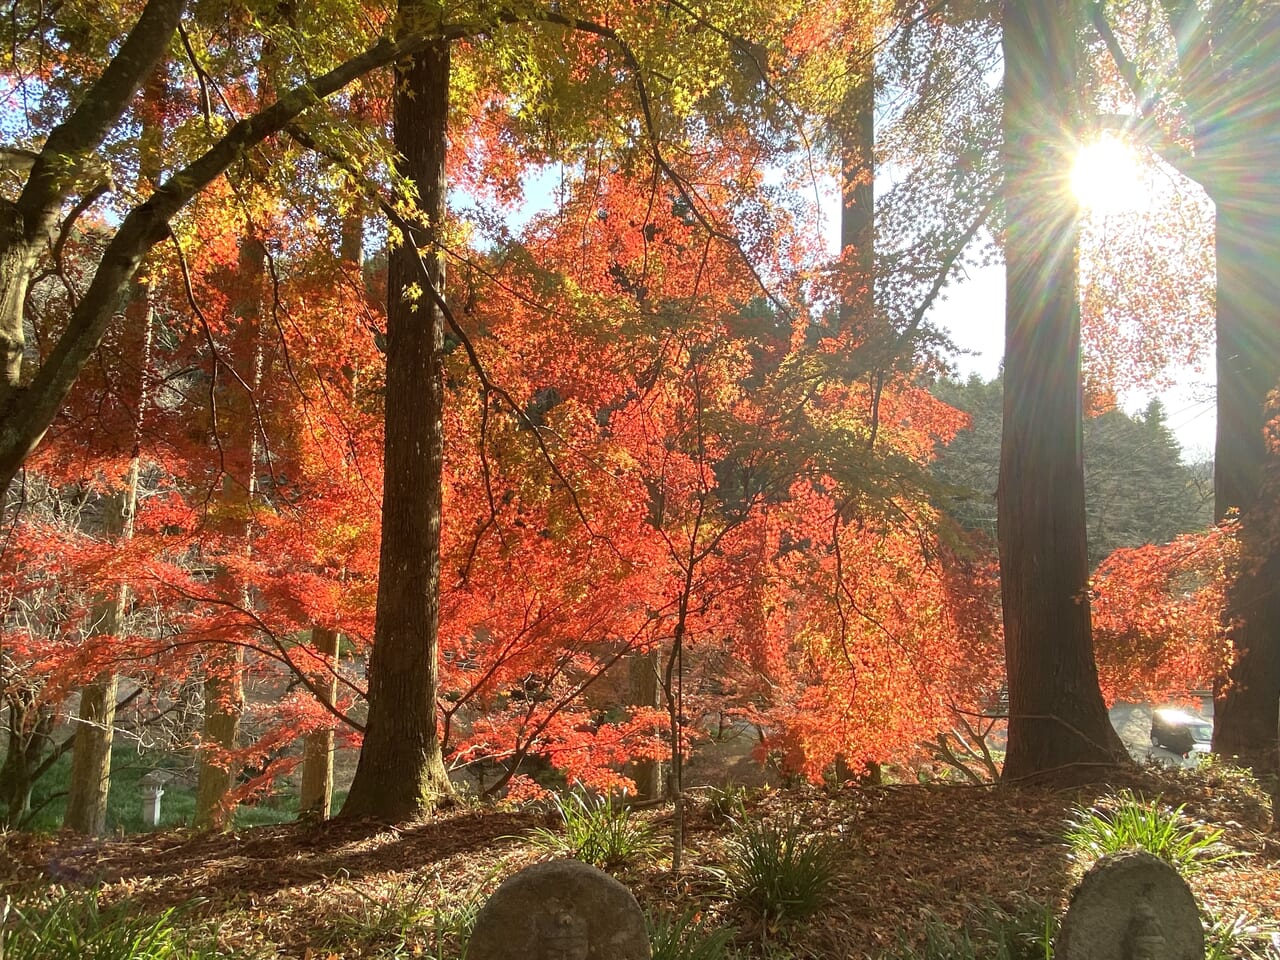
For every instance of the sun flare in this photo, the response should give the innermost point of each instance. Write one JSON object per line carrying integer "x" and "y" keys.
{"x": 1106, "y": 178}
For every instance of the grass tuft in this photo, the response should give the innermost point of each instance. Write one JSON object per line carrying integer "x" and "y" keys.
{"x": 778, "y": 871}
{"x": 686, "y": 937}
{"x": 993, "y": 934}
{"x": 75, "y": 926}
{"x": 1127, "y": 822}
{"x": 596, "y": 830}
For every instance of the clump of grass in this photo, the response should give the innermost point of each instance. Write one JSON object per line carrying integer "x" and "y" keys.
{"x": 1127, "y": 822}
{"x": 1025, "y": 933}
{"x": 778, "y": 871}
{"x": 596, "y": 830}
{"x": 686, "y": 937}
{"x": 409, "y": 921}
{"x": 78, "y": 927}
{"x": 727, "y": 804}
{"x": 1246, "y": 937}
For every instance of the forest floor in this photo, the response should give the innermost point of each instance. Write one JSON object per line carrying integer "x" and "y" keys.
{"x": 916, "y": 857}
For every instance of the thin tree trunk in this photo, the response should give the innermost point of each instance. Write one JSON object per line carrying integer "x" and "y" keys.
{"x": 91, "y": 757}
{"x": 1057, "y": 717}
{"x": 95, "y": 731}
{"x": 224, "y": 680}
{"x": 857, "y": 213}
{"x": 401, "y": 772}
{"x": 223, "y": 708}
{"x": 30, "y": 739}
{"x": 317, "y": 757}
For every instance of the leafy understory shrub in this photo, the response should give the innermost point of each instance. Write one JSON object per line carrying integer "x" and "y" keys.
{"x": 597, "y": 831}
{"x": 75, "y": 926}
{"x": 686, "y": 937}
{"x": 1126, "y": 822}
{"x": 778, "y": 871}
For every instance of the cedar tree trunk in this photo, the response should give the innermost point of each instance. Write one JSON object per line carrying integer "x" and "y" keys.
{"x": 1057, "y": 719}
{"x": 401, "y": 773}
{"x": 1248, "y": 345}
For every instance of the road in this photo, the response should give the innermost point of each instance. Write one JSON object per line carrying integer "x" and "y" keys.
{"x": 1133, "y": 722}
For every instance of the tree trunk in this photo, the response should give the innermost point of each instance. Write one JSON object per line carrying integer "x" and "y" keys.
{"x": 317, "y": 758}
{"x": 401, "y": 772}
{"x": 1057, "y": 716}
{"x": 643, "y": 692}
{"x": 30, "y": 739}
{"x": 1248, "y": 345}
{"x": 857, "y": 132}
{"x": 223, "y": 708}
{"x": 91, "y": 758}
{"x": 224, "y": 680}
{"x": 64, "y": 166}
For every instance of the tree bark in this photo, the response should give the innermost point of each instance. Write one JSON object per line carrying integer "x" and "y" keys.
{"x": 401, "y": 772}
{"x": 1057, "y": 721}
{"x": 224, "y": 680}
{"x": 642, "y": 669}
{"x": 1248, "y": 345}
{"x": 316, "y": 792}
{"x": 30, "y": 737}
{"x": 1231, "y": 69}
{"x": 223, "y": 708}
{"x": 857, "y": 131}
{"x": 95, "y": 730}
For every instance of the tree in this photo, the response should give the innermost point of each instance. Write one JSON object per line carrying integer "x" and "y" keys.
{"x": 1057, "y": 718}
{"x": 401, "y": 771}
{"x": 57, "y": 172}
{"x": 1215, "y": 119}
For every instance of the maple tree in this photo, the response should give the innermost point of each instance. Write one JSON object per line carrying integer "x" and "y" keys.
{"x": 656, "y": 422}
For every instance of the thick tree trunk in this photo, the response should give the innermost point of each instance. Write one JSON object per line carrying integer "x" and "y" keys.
{"x": 1057, "y": 721}
{"x": 401, "y": 773}
{"x": 316, "y": 791}
{"x": 1248, "y": 343}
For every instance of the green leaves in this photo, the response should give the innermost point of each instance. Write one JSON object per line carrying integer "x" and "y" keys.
{"x": 1127, "y": 822}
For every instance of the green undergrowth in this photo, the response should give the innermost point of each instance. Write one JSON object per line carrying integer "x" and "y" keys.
{"x": 1126, "y": 821}
{"x": 596, "y": 830}
{"x": 76, "y": 926}
{"x": 124, "y": 802}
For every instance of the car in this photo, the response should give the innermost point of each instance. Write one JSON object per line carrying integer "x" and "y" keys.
{"x": 1181, "y": 732}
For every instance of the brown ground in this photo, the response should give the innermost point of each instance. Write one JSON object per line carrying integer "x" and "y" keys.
{"x": 342, "y": 890}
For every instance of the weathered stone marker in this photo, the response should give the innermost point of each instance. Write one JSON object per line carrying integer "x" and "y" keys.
{"x": 1131, "y": 906}
{"x": 562, "y": 910}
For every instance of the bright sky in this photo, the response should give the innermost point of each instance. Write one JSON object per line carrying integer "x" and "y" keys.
{"x": 973, "y": 311}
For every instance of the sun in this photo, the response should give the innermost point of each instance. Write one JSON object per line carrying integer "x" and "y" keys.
{"x": 1106, "y": 178}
